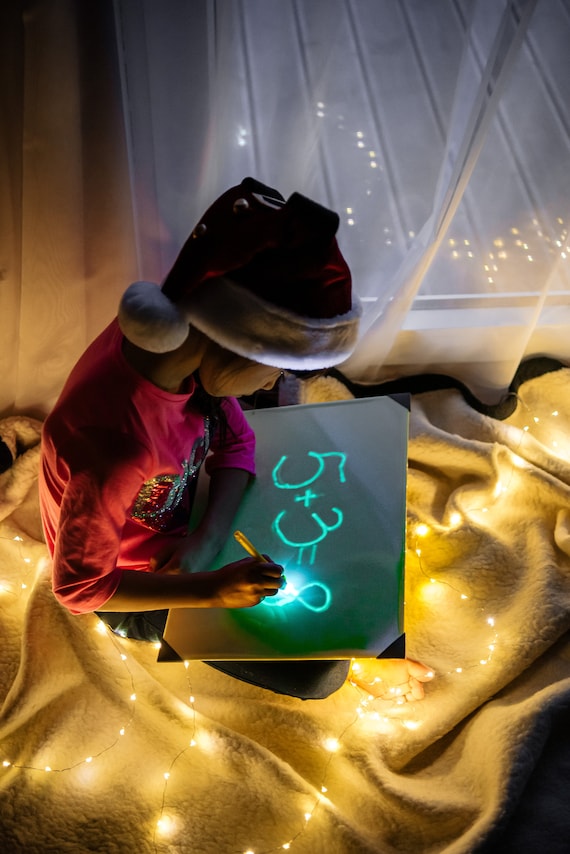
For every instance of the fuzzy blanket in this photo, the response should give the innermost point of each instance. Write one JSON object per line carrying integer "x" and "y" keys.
{"x": 104, "y": 749}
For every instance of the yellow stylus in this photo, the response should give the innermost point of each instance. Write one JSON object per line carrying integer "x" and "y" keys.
{"x": 250, "y": 549}
{"x": 248, "y": 546}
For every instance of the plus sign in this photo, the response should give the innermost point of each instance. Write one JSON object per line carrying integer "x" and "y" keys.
{"x": 307, "y": 497}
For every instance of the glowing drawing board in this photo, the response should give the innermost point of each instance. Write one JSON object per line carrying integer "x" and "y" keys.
{"x": 329, "y": 504}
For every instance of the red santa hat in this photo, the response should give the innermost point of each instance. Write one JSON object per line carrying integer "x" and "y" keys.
{"x": 260, "y": 276}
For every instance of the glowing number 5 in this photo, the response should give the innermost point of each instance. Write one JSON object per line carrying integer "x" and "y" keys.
{"x": 321, "y": 460}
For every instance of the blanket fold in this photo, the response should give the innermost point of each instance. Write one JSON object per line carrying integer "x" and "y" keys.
{"x": 158, "y": 757}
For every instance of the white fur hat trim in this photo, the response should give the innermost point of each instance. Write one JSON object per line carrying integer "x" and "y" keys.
{"x": 150, "y": 320}
{"x": 240, "y": 321}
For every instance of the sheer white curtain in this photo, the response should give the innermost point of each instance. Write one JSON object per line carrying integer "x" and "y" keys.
{"x": 438, "y": 130}
{"x": 66, "y": 231}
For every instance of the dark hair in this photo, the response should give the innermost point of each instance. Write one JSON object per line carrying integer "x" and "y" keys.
{"x": 210, "y": 407}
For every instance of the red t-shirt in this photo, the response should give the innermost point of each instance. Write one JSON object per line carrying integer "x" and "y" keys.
{"x": 120, "y": 458}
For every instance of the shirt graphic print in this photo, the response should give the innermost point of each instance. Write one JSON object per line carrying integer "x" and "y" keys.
{"x": 164, "y": 502}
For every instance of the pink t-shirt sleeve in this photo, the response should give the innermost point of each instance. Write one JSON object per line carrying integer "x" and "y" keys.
{"x": 104, "y": 478}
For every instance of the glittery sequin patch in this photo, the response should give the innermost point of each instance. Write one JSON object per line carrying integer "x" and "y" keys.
{"x": 164, "y": 502}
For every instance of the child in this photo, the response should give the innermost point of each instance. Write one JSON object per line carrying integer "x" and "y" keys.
{"x": 260, "y": 286}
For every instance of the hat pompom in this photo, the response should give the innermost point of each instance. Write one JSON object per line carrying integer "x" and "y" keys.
{"x": 150, "y": 320}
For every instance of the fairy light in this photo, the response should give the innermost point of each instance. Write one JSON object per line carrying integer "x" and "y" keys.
{"x": 366, "y": 710}
{"x": 165, "y": 825}
{"x": 89, "y": 760}
{"x": 503, "y": 485}
{"x": 192, "y": 743}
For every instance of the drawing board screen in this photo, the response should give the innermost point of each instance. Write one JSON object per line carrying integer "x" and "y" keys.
{"x": 329, "y": 505}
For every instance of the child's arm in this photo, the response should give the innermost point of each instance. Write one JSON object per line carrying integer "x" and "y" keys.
{"x": 238, "y": 585}
{"x": 198, "y": 550}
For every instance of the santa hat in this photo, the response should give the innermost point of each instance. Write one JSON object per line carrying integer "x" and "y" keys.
{"x": 260, "y": 276}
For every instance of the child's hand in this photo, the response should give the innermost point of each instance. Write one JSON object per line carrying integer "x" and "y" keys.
{"x": 391, "y": 678}
{"x": 245, "y": 583}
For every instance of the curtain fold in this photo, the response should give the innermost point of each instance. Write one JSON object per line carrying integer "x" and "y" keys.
{"x": 67, "y": 247}
{"x": 439, "y": 131}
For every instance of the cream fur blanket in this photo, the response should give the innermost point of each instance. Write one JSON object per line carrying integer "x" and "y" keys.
{"x": 149, "y": 757}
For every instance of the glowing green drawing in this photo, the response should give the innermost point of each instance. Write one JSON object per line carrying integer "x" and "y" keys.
{"x": 321, "y": 458}
{"x": 291, "y": 594}
{"x": 306, "y": 497}
{"x": 324, "y": 530}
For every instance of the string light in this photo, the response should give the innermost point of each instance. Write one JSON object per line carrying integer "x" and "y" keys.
{"x": 367, "y": 709}
{"x": 503, "y": 485}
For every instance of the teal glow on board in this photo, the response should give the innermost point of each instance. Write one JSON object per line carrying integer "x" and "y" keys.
{"x": 329, "y": 505}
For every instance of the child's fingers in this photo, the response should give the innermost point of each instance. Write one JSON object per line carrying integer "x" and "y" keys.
{"x": 416, "y": 689}
{"x": 419, "y": 671}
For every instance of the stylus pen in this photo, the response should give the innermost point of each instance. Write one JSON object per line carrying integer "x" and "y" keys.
{"x": 250, "y": 549}
{"x": 248, "y": 546}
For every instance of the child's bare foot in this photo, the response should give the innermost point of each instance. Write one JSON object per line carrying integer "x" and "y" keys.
{"x": 391, "y": 678}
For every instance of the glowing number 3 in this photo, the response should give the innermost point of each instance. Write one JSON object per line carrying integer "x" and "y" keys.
{"x": 325, "y": 529}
